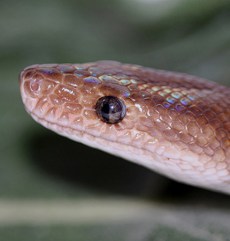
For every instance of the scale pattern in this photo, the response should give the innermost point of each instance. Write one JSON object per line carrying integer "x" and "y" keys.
{"x": 176, "y": 124}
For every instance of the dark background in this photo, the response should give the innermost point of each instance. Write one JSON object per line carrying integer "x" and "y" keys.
{"x": 39, "y": 169}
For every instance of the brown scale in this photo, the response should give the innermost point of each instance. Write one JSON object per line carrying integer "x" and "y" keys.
{"x": 187, "y": 111}
{"x": 195, "y": 114}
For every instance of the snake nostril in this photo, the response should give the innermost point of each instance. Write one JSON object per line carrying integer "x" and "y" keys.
{"x": 31, "y": 82}
{"x": 35, "y": 85}
{"x": 32, "y": 85}
{"x": 36, "y": 81}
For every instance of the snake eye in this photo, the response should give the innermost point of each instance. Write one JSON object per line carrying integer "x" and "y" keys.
{"x": 110, "y": 109}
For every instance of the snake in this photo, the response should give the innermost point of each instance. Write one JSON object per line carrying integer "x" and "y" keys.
{"x": 175, "y": 124}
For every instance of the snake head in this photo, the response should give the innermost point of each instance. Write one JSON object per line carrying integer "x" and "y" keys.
{"x": 80, "y": 97}
{"x": 176, "y": 124}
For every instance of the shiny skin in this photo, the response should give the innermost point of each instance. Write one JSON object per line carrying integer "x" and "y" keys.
{"x": 175, "y": 124}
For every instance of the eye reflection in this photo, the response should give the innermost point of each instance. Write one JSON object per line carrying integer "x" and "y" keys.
{"x": 110, "y": 109}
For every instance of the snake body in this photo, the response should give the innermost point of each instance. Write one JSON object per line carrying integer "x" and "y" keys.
{"x": 175, "y": 124}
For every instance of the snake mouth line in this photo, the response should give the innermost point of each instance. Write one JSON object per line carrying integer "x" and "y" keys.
{"x": 122, "y": 150}
{"x": 79, "y": 133}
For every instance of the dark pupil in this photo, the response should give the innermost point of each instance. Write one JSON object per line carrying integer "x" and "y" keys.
{"x": 106, "y": 108}
{"x": 110, "y": 109}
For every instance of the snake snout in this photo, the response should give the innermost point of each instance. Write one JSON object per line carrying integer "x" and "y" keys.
{"x": 34, "y": 83}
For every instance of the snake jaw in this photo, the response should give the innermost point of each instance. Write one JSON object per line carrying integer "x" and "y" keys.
{"x": 176, "y": 124}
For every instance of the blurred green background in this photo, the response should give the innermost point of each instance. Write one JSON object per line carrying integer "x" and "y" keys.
{"x": 54, "y": 189}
